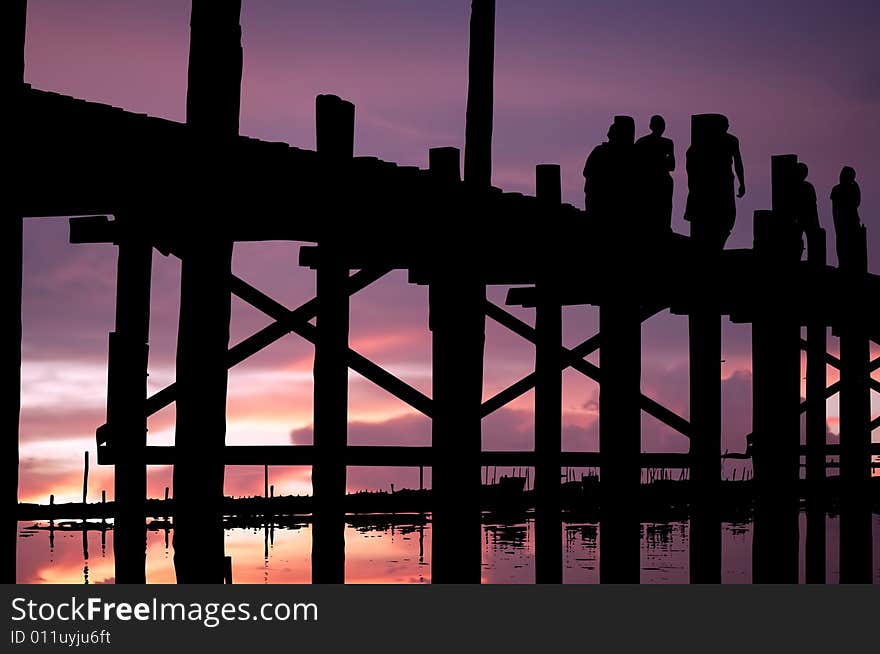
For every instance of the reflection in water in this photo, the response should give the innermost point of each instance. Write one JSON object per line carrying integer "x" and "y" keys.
{"x": 392, "y": 549}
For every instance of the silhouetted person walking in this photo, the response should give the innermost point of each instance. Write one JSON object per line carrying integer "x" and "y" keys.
{"x": 656, "y": 160}
{"x": 845, "y": 200}
{"x": 806, "y": 211}
{"x": 608, "y": 173}
{"x": 711, "y": 204}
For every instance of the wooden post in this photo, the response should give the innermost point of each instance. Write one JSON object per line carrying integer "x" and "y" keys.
{"x": 855, "y": 419}
{"x": 126, "y": 395}
{"x": 13, "y": 19}
{"x": 335, "y": 137}
{"x": 704, "y": 331}
{"x": 458, "y": 324}
{"x": 548, "y": 407}
{"x": 481, "y": 71}
{"x": 620, "y": 440}
{"x": 816, "y": 421}
{"x": 776, "y": 388}
{"x": 458, "y": 329}
{"x": 85, "y": 477}
{"x": 213, "y": 99}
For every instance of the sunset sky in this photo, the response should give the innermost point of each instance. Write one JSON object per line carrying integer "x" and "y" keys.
{"x": 798, "y": 78}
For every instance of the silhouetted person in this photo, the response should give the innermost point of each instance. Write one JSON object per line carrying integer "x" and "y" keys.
{"x": 608, "y": 173}
{"x": 711, "y": 204}
{"x": 845, "y": 200}
{"x": 806, "y": 211}
{"x": 656, "y": 160}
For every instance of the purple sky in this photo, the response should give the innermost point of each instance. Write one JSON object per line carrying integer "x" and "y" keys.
{"x": 802, "y": 78}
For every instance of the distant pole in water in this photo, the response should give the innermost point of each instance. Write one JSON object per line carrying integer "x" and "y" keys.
{"x": 272, "y": 491}
{"x": 266, "y": 480}
{"x": 85, "y": 477}
{"x": 422, "y": 477}
{"x": 166, "y": 493}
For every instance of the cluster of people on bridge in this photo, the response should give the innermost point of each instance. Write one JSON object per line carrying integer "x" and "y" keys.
{"x": 628, "y": 177}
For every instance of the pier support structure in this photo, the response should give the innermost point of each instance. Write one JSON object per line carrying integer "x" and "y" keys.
{"x": 335, "y": 139}
{"x": 14, "y": 18}
{"x": 776, "y": 367}
{"x": 548, "y": 407}
{"x": 213, "y": 102}
{"x": 855, "y": 420}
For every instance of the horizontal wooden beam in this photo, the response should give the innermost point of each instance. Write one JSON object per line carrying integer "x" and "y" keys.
{"x": 397, "y": 456}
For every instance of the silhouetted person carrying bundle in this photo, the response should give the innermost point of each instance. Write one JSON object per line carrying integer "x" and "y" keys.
{"x": 655, "y": 155}
{"x": 711, "y": 203}
{"x": 845, "y": 200}
{"x": 608, "y": 173}
{"x": 806, "y": 211}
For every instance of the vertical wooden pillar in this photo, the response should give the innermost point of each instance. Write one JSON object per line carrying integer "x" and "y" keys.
{"x": 126, "y": 395}
{"x": 705, "y": 416}
{"x": 458, "y": 323}
{"x": 855, "y": 419}
{"x": 458, "y": 329}
{"x": 704, "y": 332}
{"x": 13, "y": 19}
{"x": 776, "y": 389}
{"x": 620, "y": 430}
{"x": 481, "y": 71}
{"x": 548, "y": 406}
{"x": 213, "y": 99}
{"x": 335, "y": 138}
{"x": 816, "y": 420}
{"x": 10, "y": 274}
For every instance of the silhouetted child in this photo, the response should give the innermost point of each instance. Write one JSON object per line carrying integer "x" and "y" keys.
{"x": 845, "y": 200}
{"x": 656, "y": 160}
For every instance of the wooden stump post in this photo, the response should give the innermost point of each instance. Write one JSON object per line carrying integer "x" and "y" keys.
{"x": 620, "y": 423}
{"x": 855, "y": 419}
{"x": 548, "y": 407}
{"x": 213, "y": 99}
{"x": 816, "y": 422}
{"x": 335, "y": 137}
{"x": 126, "y": 396}
{"x": 776, "y": 387}
{"x": 13, "y": 17}
{"x": 458, "y": 324}
{"x": 704, "y": 333}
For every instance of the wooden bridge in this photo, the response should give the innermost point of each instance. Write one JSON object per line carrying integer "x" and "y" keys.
{"x": 192, "y": 190}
